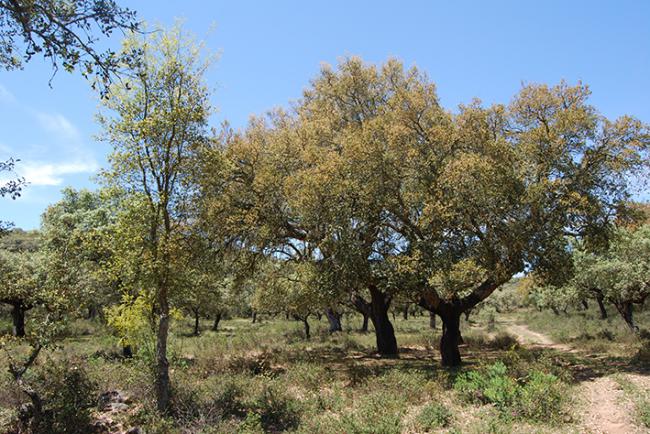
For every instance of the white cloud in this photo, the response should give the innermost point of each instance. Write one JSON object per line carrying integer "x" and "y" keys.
{"x": 48, "y": 174}
{"x": 58, "y": 124}
{"x": 6, "y": 95}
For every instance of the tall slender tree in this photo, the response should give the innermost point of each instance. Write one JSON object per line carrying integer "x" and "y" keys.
{"x": 157, "y": 121}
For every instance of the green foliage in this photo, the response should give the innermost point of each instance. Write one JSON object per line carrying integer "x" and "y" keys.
{"x": 132, "y": 321}
{"x": 65, "y": 33}
{"x": 433, "y": 416}
{"x": 68, "y": 395}
{"x": 537, "y": 397}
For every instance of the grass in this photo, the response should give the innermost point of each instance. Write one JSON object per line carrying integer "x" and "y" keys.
{"x": 264, "y": 378}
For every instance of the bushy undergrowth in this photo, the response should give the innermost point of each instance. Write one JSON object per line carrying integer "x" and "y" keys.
{"x": 538, "y": 396}
{"x": 68, "y": 396}
{"x": 433, "y": 416}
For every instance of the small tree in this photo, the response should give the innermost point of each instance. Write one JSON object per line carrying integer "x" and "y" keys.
{"x": 159, "y": 119}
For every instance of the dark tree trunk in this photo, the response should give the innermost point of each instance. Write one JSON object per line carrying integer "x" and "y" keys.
{"x": 92, "y": 312}
{"x": 585, "y": 305}
{"x": 625, "y": 309}
{"x": 405, "y": 314}
{"x": 217, "y": 319}
{"x": 365, "y": 309}
{"x": 196, "y": 323}
{"x": 306, "y": 325}
{"x": 18, "y": 318}
{"x": 432, "y": 320}
{"x": 319, "y": 316}
{"x": 451, "y": 338}
{"x": 127, "y": 351}
{"x": 364, "y": 325}
{"x": 254, "y": 317}
{"x": 601, "y": 306}
{"x": 467, "y": 313}
{"x": 334, "y": 319}
{"x": 384, "y": 332}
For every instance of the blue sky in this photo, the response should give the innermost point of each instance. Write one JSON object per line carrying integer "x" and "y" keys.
{"x": 270, "y": 51}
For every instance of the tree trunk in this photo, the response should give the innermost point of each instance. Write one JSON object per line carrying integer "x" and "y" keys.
{"x": 334, "y": 319}
{"x": 364, "y": 325}
{"x": 585, "y": 305}
{"x": 196, "y": 323}
{"x": 306, "y": 325}
{"x": 432, "y": 320}
{"x": 384, "y": 332}
{"x": 405, "y": 314}
{"x": 364, "y": 308}
{"x": 601, "y": 306}
{"x": 93, "y": 311}
{"x": 319, "y": 316}
{"x": 254, "y": 317}
{"x": 215, "y": 325}
{"x": 162, "y": 364}
{"x": 451, "y": 338}
{"x": 625, "y": 309}
{"x": 18, "y": 317}
{"x": 127, "y": 351}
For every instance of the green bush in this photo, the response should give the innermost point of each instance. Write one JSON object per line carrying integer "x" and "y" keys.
{"x": 68, "y": 396}
{"x": 541, "y": 397}
{"x": 536, "y": 397}
{"x": 433, "y": 416}
{"x": 277, "y": 411}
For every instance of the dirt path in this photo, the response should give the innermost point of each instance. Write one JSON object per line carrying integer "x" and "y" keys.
{"x": 606, "y": 408}
{"x": 528, "y": 337}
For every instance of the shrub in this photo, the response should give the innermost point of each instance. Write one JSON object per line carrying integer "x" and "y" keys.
{"x": 277, "y": 411}
{"x": 537, "y": 397}
{"x": 433, "y": 416}
{"x": 541, "y": 397}
{"x": 68, "y": 396}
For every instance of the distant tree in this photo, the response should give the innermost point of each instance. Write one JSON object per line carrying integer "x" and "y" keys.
{"x": 65, "y": 33}
{"x": 621, "y": 274}
{"x": 76, "y": 234}
{"x": 291, "y": 288}
{"x": 157, "y": 121}
{"x": 22, "y": 286}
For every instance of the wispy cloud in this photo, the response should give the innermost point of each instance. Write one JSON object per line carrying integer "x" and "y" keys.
{"x": 49, "y": 174}
{"x": 58, "y": 124}
{"x": 6, "y": 95}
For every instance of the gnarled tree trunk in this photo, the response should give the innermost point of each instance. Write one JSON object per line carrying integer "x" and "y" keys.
{"x": 451, "y": 337}
{"x": 384, "y": 332}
